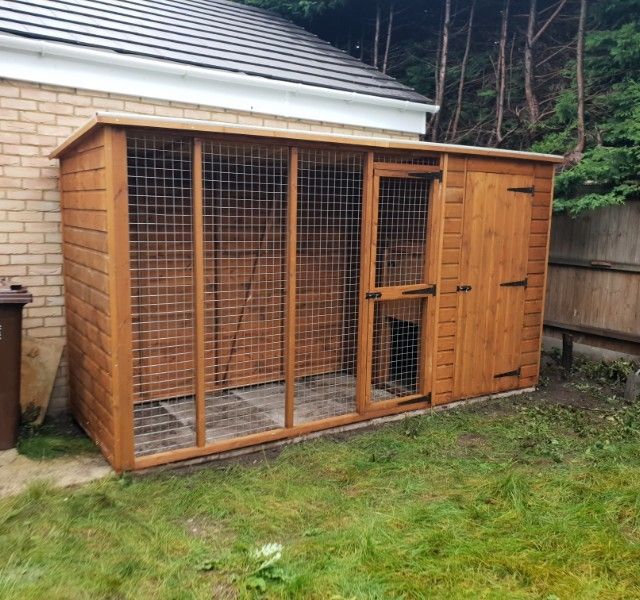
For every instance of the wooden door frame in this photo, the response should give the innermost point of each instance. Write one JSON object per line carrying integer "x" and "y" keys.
{"x": 371, "y": 201}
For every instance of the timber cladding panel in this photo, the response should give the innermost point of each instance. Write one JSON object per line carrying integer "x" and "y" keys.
{"x": 225, "y": 291}
{"x": 83, "y": 186}
{"x": 453, "y": 196}
{"x": 539, "y": 233}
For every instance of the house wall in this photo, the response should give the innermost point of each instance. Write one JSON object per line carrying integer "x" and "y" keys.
{"x": 34, "y": 119}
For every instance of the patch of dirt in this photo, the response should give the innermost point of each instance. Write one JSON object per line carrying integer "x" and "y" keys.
{"x": 206, "y": 529}
{"x": 63, "y": 425}
{"x": 573, "y": 391}
{"x": 472, "y": 440}
{"x": 224, "y": 591}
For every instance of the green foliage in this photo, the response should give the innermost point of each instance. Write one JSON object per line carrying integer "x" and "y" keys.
{"x": 607, "y": 372}
{"x": 607, "y": 172}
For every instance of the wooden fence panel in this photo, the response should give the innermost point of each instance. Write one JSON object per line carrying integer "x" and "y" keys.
{"x": 594, "y": 273}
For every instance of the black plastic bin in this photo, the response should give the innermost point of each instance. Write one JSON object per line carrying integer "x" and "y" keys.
{"x": 12, "y": 300}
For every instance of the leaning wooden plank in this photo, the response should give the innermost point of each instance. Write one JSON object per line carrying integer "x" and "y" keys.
{"x": 40, "y": 360}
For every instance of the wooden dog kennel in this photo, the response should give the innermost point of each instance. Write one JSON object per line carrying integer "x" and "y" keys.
{"x": 228, "y": 286}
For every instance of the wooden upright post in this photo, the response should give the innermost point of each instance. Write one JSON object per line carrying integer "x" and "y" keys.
{"x": 367, "y": 280}
{"x": 198, "y": 272}
{"x": 120, "y": 297}
{"x": 290, "y": 303}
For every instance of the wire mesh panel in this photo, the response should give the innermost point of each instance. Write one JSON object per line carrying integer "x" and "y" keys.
{"x": 161, "y": 258}
{"x": 244, "y": 204}
{"x": 400, "y": 261}
{"x": 328, "y": 276}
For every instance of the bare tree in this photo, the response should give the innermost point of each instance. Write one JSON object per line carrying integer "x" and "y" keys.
{"x": 580, "y": 76}
{"x": 532, "y": 36}
{"x": 442, "y": 68}
{"x": 501, "y": 77}
{"x": 376, "y": 39}
{"x": 463, "y": 72}
{"x": 385, "y": 63}
{"x": 532, "y": 102}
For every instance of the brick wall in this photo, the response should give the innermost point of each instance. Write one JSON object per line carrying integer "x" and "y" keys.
{"x": 34, "y": 119}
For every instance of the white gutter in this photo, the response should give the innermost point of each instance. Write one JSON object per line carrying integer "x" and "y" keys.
{"x": 67, "y": 65}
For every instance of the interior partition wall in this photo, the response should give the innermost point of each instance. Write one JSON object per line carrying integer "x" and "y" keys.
{"x": 273, "y": 287}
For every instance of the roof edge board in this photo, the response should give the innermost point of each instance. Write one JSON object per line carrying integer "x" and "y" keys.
{"x": 124, "y": 119}
{"x": 56, "y": 63}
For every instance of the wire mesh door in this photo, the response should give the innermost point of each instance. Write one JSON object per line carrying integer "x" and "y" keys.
{"x": 399, "y": 273}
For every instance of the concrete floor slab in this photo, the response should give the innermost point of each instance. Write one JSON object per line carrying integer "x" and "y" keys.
{"x": 18, "y": 472}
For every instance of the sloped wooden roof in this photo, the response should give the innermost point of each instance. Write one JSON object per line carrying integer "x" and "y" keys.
{"x": 199, "y": 126}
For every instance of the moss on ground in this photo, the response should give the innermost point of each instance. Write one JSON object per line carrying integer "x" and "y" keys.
{"x": 54, "y": 440}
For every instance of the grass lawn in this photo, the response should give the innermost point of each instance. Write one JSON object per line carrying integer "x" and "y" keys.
{"x": 536, "y": 496}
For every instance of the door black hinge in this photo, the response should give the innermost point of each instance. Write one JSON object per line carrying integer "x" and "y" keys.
{"x": 463, "y": 288}
{"x": 429, "y": 176}
{"x": 523, "y": 190}
{"x": 514, "y": 373}
{"x": 520, "y": 283}
{"x": 426, "y": 398}
{"x": 428, "y": 291}
{"x": 372, "y": 295}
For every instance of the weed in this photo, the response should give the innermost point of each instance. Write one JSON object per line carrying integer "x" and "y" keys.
{"x": 613, "y": 373}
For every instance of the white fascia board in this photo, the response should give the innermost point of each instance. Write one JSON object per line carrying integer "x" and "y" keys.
{"x": 72, "y": 66}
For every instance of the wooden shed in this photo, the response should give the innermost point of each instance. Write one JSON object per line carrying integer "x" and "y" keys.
{"x": 228, "y": 286}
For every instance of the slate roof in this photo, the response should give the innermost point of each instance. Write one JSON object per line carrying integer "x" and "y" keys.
{"x": 217, "y": 34}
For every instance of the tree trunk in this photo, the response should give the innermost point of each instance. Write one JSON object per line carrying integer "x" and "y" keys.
{"x": 580, "y": 76}
{"x": 442, "y": 70}
{"x": 385, "y": 64}
{"x": 532, "y": 101}
{"x": 529, "y": 67}
{"x": 376, "y": 39}
{"x": 463, "y": 71}
{"x": 502, "y": 72}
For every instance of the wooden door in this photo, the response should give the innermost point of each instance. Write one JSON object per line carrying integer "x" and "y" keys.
{"x": 399, "y": 288}
{"x": 492, "y": 281}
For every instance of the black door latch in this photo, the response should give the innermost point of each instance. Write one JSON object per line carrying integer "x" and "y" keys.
{"x": 463, "y": 288}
